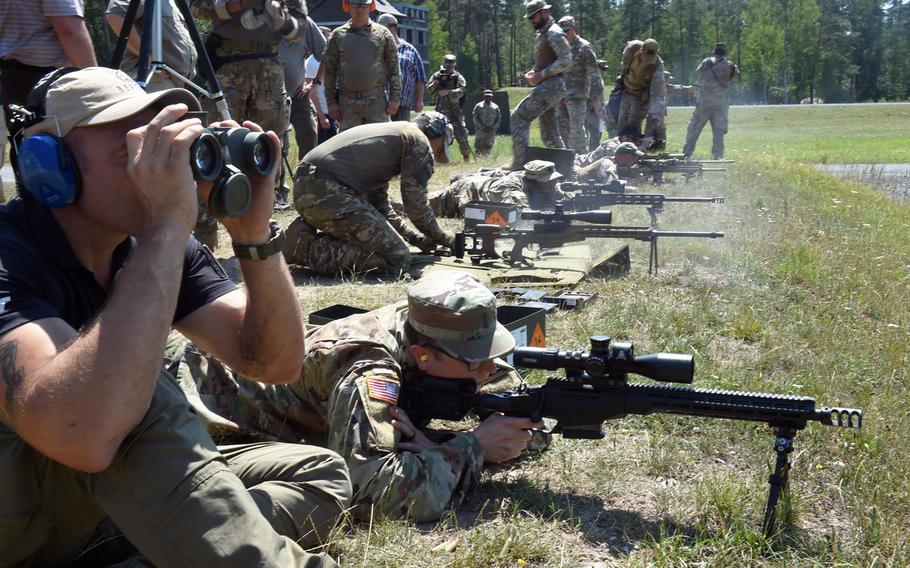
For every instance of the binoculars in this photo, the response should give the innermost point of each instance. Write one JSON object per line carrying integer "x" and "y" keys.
{"x": 229, "y": 156}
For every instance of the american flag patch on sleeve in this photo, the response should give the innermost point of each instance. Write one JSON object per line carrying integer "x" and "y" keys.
{"x": 382, "y": 388}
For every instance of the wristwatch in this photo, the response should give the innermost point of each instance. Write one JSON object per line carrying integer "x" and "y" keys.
{"x": 275, "y": 244}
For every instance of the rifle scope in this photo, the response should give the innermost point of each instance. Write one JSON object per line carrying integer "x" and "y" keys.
{"x": 608, "y": 359}
{"x": 559, "y": 216}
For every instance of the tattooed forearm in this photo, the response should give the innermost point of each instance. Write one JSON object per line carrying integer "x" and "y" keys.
{"x": 12, "y": 376}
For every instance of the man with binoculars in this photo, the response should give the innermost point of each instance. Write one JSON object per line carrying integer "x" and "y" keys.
{"x": 96, "y": 266}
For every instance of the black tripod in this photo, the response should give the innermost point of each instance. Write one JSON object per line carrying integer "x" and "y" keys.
{"x": 150, "y": 51}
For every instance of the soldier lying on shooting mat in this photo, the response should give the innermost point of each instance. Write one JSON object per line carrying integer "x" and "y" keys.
{"x": 341, "y": 190}
{"x": 354, "y": 370}
{"x": 608, "y": 149}
{"x": 623, "y": 165}
{"x": 535, "y": 187}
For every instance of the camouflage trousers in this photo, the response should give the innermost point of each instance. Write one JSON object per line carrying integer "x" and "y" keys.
{"x": 456, "y": 117}
{"x": 175, "y": 496}
{"x": 362, "y": 107}
{"x": 632, "y": 110}
{"x": 483, "y": 141}
{"x": 592, "y": 127}
{"x": 715, "y": 112}
{"x": 656, "y": 126}
{"x": 253, "y": 90}
{"x": 354, "y": 237}
{"x": 572, "y": 124}
{"x": 542, "y": 102}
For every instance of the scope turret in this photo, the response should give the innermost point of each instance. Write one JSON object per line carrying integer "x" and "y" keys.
{"x": 608, "y": 360}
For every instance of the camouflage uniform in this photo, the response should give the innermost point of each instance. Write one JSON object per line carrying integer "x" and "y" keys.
{"x": 579, "y": 77}
{"x": 657, "y": 125}
{"x": 605, "y": 150}
{"x": 486, "y": 117}
{"x": 341, "y": 189}
{"x": 714, "y": 75}
{"x": 605, "y": 170}
{"x": 644, "y": 86}
{"x": 510, "y": 189}
{"x": 552, "y": 57}
{"x": 450, "y": 105}
{"x": 593, "y": 124}
{"x": 358, "y": 63}
{"x": 337, "y": 402}
{"x": 251, "y": 77}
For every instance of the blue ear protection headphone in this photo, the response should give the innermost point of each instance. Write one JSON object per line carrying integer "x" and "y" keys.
{"x": 46, "y": 167}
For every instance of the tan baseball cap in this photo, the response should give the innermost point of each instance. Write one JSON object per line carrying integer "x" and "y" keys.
{"x": 459, "y": 313}
{"x": 99, "y": 95}
{"x": 628, "y": 148}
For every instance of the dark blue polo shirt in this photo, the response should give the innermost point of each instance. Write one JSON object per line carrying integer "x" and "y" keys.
{"x": 41, "y": 277}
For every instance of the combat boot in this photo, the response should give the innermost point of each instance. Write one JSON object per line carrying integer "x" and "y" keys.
{"x": 281, "y": 198}
{"x": 299, "y": 237}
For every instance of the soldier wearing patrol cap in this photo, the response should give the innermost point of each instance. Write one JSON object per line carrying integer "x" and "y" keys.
{"x": 644, "y": 92}
{"x": 579, "y": 78}
{"x": 353, "y": 373}
{"x": 622, "y": 165}
{"x": 341, "y": 191}
{"x": 535, "y": 187}
{"x": 486, "y": 117}
{"x": 552, "y": 57}
{"x": 360, "y": 62}
{"x": 714, "y": 75}
{"x": 449, "y": 87}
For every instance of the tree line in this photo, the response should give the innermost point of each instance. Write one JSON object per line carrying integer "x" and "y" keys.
{"x": 788, "y": 50}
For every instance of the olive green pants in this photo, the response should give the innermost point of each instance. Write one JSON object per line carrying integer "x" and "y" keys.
{"x": 176, "y": 498}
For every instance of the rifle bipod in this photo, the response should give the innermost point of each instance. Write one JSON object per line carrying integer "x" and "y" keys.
{"x": 783, "y": 446}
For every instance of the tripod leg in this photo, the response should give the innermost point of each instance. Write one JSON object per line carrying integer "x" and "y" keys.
{"x": 205, "y": 64}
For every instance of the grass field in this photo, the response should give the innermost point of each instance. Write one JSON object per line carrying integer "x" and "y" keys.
{"x": 806, "y": 295}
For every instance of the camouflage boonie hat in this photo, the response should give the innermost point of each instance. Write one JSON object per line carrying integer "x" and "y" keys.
{"x": 566, "y": 22}
{"x": 651, "y": 48}
{"x": 541, "y": 170}
{"x": 459, "y": 313}
{"x": 449, "y": 58}
{"x": 488, "y": 93}
{"x": 628, "y": 148}
{"x": 535, "y": 6}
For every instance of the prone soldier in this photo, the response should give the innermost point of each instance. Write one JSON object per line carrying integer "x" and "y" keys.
{"x": 535, "y": 187}
{"x": 621, "y": 165}
{"x": 552, "y": 57}
{"x": 486, "y": 117}
{"x": 360, "y": 60}
{"x": 579, "y": 77}
{"x": 341, "y": 190}
{"x": 449, "y": 86}
{"x": 354, "y": 372}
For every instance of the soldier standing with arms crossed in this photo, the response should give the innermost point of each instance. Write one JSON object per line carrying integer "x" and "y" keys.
{"x": 486, "y": 117}
{"x": 449, "y": 86}
{"x": 714, "y": 75}
{"x": 360, "y": 58}
{"x": 552, "y": 56}
{"x": 579, "y": 77}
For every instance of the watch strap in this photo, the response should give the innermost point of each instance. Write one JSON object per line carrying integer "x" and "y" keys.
{"x": 274, "y": 245}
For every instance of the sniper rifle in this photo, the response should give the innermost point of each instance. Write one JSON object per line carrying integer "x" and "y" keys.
{"x": 591, "y": 196}
{"x": 556, "y": 229}
{"x": 595, "y": 389}
{"x": 657, "y": 167}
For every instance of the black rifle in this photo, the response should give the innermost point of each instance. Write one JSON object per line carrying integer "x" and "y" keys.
{"x": 657, "y": 167}
{"x": 595, "y": 389}
{"x": 556, "y": 230}
{"x": 593, "y": 196}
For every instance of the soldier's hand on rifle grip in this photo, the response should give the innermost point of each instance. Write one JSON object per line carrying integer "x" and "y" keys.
{"x": 503, "y": 438}
{"x": 412, "y": 438}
